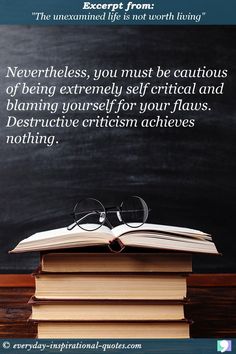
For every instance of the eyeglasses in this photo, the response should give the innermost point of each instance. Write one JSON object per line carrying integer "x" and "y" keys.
{"x": 90, "y": 214}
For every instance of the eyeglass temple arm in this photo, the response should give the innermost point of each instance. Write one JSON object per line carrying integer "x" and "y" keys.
{"x": 112, "y": 210}
{"x": 71, "y": 227}
{"x": 109, "y": 224}
{"x": 96, "y": 212}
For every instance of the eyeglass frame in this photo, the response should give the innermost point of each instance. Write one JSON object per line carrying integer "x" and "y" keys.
{"x": 107, "y": 210}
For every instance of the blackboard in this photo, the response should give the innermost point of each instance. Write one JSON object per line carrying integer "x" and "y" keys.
{"x": 187, "y": 177}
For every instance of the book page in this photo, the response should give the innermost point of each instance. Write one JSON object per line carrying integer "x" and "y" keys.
{"x": 122, "y": 229}
{"x": 57, "y": 234}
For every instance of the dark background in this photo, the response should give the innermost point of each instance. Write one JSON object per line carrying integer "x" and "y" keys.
{"x": 187, "y": 176}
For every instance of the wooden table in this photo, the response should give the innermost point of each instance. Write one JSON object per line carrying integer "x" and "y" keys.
{"x": 212, "y": 306}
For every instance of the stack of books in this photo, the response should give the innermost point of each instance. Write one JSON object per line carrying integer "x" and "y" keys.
{"x": 127, "y": 294}
{"x": 120, "y": 295}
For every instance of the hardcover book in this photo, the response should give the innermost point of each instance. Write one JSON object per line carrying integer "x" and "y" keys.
{"x": 127, "y": 286}
{"x": 66, "y": 262}
{"x": 155, "y": 329}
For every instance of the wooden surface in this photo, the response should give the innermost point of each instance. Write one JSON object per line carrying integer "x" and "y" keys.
{"x": 212, "y": 306}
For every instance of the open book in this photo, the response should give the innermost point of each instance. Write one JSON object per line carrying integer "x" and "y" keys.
{"x": 147, "y": 236}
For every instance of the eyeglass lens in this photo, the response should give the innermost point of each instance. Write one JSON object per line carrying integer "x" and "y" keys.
{"x": 134, "y": 211}
{"x": 89, "y": 214}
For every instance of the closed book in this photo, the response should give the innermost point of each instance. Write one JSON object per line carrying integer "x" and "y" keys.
{"x": 85, "y": 330}
{"x": 111, "y": 286}
{"x": 106, "y": 310}
{"x": 115, "y": 262}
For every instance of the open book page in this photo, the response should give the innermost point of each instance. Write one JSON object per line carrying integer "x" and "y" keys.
{"x": 164, "y": 243}
{"x": 157, "y": 229}
{"x": 158, "y": 235}
{"x": 64, "y": 238}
